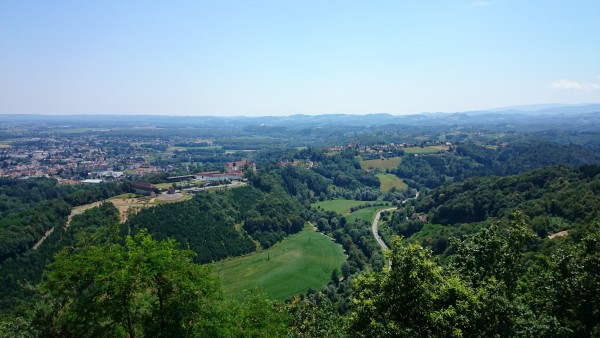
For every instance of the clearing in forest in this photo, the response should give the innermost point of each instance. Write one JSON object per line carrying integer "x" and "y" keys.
{"x": 389, "y": 181}
{"x": 341, "y": 206}
{"x": 382, "y": 164}
{"x": 301, "y": 261}
{"x": 366, "y": 214}
{"x": 426, "y": 150}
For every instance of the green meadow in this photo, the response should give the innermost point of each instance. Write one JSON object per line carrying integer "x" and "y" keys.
{"x": 425, "y": 150}
{"x": 389, "y": 181}
{"x": 341, "y": 206}
{"x": 382, "y": 164}
{"x": 366, "y": 214}
{"x": 301, "y": 261}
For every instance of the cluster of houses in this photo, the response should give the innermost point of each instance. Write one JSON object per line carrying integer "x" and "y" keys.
{"x": 73, "y": 157}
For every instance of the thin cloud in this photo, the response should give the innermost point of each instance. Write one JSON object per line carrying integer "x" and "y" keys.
{"x": 576, "y": 85}
{"x": 480, "y": 3}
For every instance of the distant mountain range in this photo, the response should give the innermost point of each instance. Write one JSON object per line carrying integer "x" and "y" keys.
{"x": 553, "y": 115}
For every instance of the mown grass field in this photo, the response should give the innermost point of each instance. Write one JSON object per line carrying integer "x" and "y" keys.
{"x": 366, "y": 214}
{"x": 389, "y": 181}
{"x": 388, "y": 163}
{"x": 425, "y": 150}
{"x": 302, "y": 261}
{"x": 163, "y": 185}
{"x": 340, "y": 206}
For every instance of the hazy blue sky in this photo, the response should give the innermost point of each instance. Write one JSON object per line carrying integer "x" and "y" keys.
{"x": 284, "y": 57}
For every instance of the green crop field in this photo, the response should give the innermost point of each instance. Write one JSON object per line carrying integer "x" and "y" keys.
{"x": 425, "y": 150}
{"x": 366, "y": 214}
{"x": 389, "y": 181}
{"x": 340, "y": 206}
{"x": 388, "y": 163}
{"x": 302, "y": 261}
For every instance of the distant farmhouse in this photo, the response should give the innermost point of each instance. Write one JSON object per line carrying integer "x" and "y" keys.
{"x": 233, "y": 171}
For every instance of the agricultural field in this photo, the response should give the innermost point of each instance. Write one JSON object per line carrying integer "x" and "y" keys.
{"x": 341, "y": 206}
{"x": 381, "y": 164}
{"x": 301, "y": 261}
{"x": 389, "y": 181}
{"x": 366, "y": 214}
{"x": 425, "y": 150}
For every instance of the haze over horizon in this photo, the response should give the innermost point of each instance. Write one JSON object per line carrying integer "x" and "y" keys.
{"x": 266, "y": 58}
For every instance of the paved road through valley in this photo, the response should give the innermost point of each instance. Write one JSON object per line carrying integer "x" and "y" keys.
{"x": 376, "y": 232}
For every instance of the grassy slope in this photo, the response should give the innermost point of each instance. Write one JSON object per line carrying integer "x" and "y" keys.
{"x": 389, "y": 181}
{"x": 425, "y": 150}
{"x": 366, "y": 214}
{"x": 302, "y": 261}
{"x": 388, "y": 163}
{"x": 340, "y": 206}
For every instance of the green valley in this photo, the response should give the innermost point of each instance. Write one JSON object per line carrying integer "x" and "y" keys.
{"x": 301, "y": 261}
{"x": 492, "y": 232}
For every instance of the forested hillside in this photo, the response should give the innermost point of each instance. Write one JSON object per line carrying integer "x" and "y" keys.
{"x": 470, "y": 160}
{"x": 494, "y": 270}
{"x": 553, "y": 199}
{"x": 490, "y": 285}
{"x": 29, "y": 208}
{"x": 20, "y": 272}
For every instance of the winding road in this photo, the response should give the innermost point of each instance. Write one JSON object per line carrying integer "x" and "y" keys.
{"x": 376, "y": 232}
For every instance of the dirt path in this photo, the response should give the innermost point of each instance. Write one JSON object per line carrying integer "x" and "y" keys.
{"x": 75, "y": 211}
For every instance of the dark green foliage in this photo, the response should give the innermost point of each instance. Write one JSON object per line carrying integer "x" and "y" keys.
{"x": 470, "y": 160}
{"x": 140, "y": 287}
{"x": 21, "y": 230}
{"x": 209, "y": 224}
{"x": 491, "y": 288}
{"x": 205, "y": 224}
{"x": 29, "y": 208}
{"x": 414, "y": 299}
{"x": 23, "y": 270}
{"x": 553, "y": 199}
{"x": 314, "y": 317}
{"x": 564, "y": 287}
{"x": 16, "y": 195}
{"x": 344, "y": 170}
{"x": 304, "y": 183}
{"x": 144, "y": 287}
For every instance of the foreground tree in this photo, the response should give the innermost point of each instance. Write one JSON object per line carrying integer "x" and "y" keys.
{"x": 141, "y": 288}
{"x": 477, "y": 295}
{"x": 413, "y": 299}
